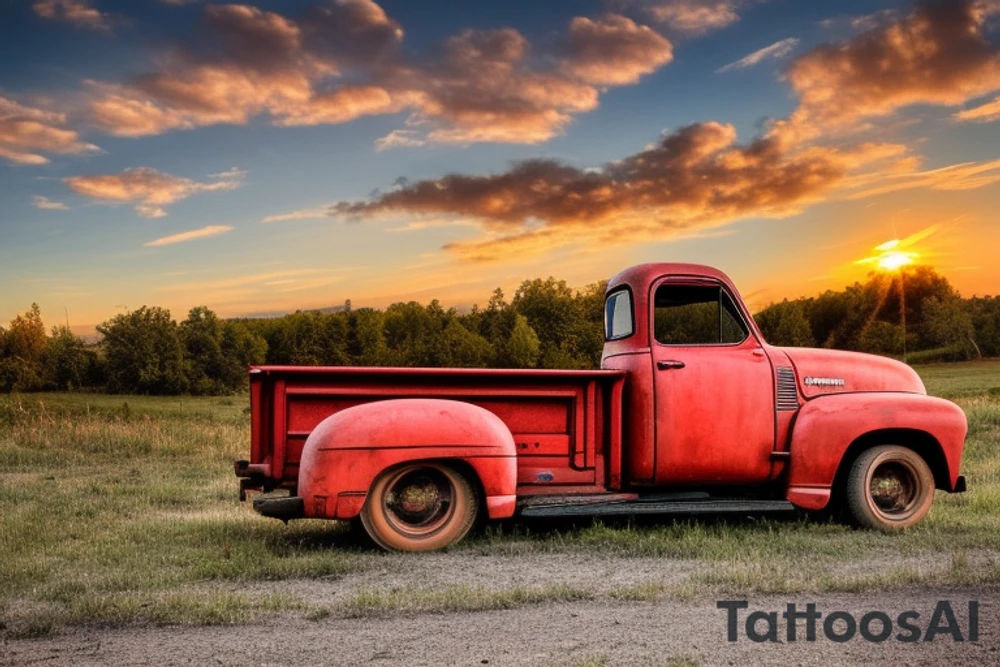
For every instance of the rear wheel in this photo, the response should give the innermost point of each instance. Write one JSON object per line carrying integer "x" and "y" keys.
{"x": 889, "y": 488}
{"x": 420, "y": 507}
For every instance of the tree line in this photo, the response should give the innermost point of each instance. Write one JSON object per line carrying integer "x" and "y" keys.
{"x": 546, "y": 324}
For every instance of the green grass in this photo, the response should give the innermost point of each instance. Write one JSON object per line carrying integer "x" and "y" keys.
{"x": 121, "y": 510}
{"x": 109, "y": 512}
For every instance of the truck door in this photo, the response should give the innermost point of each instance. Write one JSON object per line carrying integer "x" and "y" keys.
{"x": 713, "y": 388}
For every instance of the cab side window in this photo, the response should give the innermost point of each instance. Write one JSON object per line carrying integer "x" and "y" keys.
{"x": 696, "y": 315}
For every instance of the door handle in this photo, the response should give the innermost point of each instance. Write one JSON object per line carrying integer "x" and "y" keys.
{"x": 667, "y": 365}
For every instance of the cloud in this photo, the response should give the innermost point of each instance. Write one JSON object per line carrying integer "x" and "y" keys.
{"x": 302, "y": 214}
{"x": 614, "y": 50}
{"x": 342, "y": 60}
{"x": 47, "y": 204}
{"x": 695, "y": 17}
{"x": 78, "y": 12}
{"x": 958, "y": 177}
{"x": 481, "y": 87}
{"x": 937, "y": 54}
{"x": 203, "y": 233}
{"x": 26, "y": 132}
{"x": 774, "y": 51}
{"x": 343, "y": 105}
{"x": 398, "y": 138}
{"x": 694, "y": 178}
{"x": 984, "y": 113}
{"x": 150, "y": 190}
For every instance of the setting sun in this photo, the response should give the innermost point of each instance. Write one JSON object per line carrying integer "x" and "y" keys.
{"x": 893, "y": 261}
{"x": 888, "y": 258}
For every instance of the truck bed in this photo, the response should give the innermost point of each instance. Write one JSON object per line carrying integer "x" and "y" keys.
{"x": 567, "y": 425}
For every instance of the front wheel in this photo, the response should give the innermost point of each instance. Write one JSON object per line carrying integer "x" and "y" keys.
{"x": 420, "y": 507}
{"x": 889, "y": 488}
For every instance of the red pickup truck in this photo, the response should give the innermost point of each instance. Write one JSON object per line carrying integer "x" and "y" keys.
{"x": 692, "y": 411}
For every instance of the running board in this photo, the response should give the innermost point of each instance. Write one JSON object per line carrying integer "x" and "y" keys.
{"x": 658, "y": 507}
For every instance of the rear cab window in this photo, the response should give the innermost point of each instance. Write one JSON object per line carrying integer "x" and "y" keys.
{"x": 618, "y": 316}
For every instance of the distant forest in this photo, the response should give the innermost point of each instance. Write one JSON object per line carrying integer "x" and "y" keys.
{"x": 546, "y": 324}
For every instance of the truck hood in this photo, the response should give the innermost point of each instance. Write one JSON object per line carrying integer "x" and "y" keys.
{"x": 822, "y": 372}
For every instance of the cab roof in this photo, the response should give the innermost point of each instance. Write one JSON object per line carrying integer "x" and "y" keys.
{"x": 643, "y": 275}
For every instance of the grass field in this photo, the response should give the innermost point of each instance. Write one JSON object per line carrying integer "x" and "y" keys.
{"x": 124, "y": 509}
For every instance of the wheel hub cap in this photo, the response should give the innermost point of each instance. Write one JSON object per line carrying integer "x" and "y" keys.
{"x": 893, "y": 488}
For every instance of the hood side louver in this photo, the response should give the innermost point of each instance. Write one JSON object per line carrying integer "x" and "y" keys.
{"x": 787, "y": 397}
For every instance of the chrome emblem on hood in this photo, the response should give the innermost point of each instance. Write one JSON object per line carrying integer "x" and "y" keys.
{"x": 824, "y": 382}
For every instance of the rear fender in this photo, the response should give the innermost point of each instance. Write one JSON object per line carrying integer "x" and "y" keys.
{"x": 348, "y": 450}
{"x": 832, "y": 430}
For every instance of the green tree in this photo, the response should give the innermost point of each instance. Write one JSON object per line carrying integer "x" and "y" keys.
{"x": 786, "y": 324}
{"x": 204, "y": 363}
{"x": 463, "y": 348}
{"x": 368, "y": 338}
{"x": 523, "y": 349}
{"x": 549, "y": 308}
{"x": 985, "y": 315}
{"x": 23, "y": 353}
{"x": 143, "y": 353}
{"x": 947, "y": 323}
{"x": 67, "y": 362}
{"x": 241, "y": 348}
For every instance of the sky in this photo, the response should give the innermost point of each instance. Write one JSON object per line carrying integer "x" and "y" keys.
{"x": 268, "y": 157}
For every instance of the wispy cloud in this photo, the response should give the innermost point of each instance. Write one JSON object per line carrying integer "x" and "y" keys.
{"x": 27, "y": 132}
{"x": 47, "y": 204}
{"x": 398, "y": 138}
{"x": 773, "y": 52}
{"x": 203, "y": 233}
{"x": 78, "y": 12}
{"x": 301, "y": 214}
{"x": 150, "y": 190}
{"x": 964, "y": 176}
{"x": 984, "y": 113}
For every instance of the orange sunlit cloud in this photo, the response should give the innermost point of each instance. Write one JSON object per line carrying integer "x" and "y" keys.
{"x": 27, "y": 132}
{"x": 149, "y": 189}
{"x": 693, "y": 178}
{"x": 479, "y": 85}
{"x": 695, "y": 17}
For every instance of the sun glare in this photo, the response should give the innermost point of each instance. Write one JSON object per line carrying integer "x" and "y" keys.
{"x": 895, "y": 260}
{"x": 890, "y": 256}
{"x": 896, "y": 254}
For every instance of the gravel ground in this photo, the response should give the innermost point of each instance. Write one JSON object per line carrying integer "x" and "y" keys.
{"x": 594, "y": 633}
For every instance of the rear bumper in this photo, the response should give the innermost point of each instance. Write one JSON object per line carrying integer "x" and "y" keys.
{"x": 285, "y": 509}
{"x": 253, "y": 477}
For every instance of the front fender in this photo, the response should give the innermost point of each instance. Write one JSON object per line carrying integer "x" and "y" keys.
{"x": 827, "y": 427}
{"x": 346, "y": 452}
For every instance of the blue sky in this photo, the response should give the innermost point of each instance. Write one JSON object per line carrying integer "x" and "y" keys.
{"x": 247, "y": 156}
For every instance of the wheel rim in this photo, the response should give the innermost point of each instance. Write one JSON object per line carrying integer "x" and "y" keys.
{"x": 418, "y": 502}
{"x": 894, "y": 489}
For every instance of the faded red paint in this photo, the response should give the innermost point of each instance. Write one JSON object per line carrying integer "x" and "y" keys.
{"x": 656, "y": 417}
